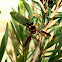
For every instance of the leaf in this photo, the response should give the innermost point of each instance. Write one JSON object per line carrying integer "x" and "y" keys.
{"x": 42, "y": 24}
{"x": 35, "y": 42}
{"x": 48, "y": 51}
{"x": 26, "y": 45}
{"x": 39, "y": 59}
{"x": 9, "y": 56}
{"x": 58, "y": 22}
{"x": 59, "y": 60}
{"x": 28, "y": 40}
{"x": 51, "y": 3}
{"x": 57, "y": 48}
{"x": 18, "y": 9}
{"x": 6, "y": 60}
{"x": 15, "y": 32}
{"x": 57, "y": 32}
{"x": 49, "y": 11}
{"x": 4, "y": 43}
{"x": 53, "y": 26}
{"x": 13, "y": 9}
{"x": 59, "y": 15}
{"x": 28, "y": 9}
{"x": 55, "y": 58}
{"x": 30, "y": 54}
{"x": 43, "y": 14}
{"x": 37, "y": 3}
{"x": 52, "y": 42}
{"x": 19, "y": 18}
{"x": 19, "y": 30}
{"x": 21, "y": 6}
{"x": 56, "y": 37}
{"x": 2, "y": 48}
{"x": 0, "y": 12}
{"x": 21, "y": 58}
{"x": 6, "y": 34}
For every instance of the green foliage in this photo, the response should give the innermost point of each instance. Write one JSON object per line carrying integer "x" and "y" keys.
{"x": 56, "y": 39}
{"x": 28, "y": 9}
{"x": 19, "y": 18}
{"x": 22, "y": 37}
{"x": 0, "y": 12}
{"x": 4, "y": 43}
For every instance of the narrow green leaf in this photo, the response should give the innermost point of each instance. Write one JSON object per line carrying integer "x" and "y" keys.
{"x": 6, "y": 60}
{"x": 19, "y": 30}
{"x": 0, "y": 12}
{"x": 43, "y": 14}
{"x": 56, "y": 37}
{"x": 57, "y": 32}
{"x": 4, "y": 43}
{"x": 48, "y": 51}
{"x": 58, "y": 22}
{"x": 59, "y": 60}
{"x": 28, "y": 9}
{"x": 15, "y": 32}
{"x": 51, "y": 3}
{"x": 42, "y": 24}
{"x": 20, "y": 59}
{"x": 57, "y": 48}
{"x": 6, "y": 34}
{"x": 18, "y": 9}
{"x": 13, "y": 9}
{"x": 59, "y": 15}
{"x": 52, "y": 42}
{"x": 28, "y": 39}
{"x": 55, "y": 58}
{"x": 49, "y": 11}
{"x": 37, "y": 3}
{"x": 19, "y": 18}
{"x": 39, "y": 59}
{"x": 27, "y": 42}
{"x": 9, "y": 56}
{"x": 21, "y": 6}
{"x": 35, "y": 42}
{"x": 30, "y": 54}
{"x": 45, "y": 56}
{"x": 2, "y": 49}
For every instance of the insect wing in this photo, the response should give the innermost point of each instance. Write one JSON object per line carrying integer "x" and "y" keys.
{"x": 43, "y": 32}
{"x": 19, "y": 18}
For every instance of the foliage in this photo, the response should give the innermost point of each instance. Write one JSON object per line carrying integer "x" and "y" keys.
{"x": 4, "y": 43}
{"x": 44, "y": 44}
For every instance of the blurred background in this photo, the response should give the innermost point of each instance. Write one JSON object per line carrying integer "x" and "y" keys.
{"x": 5, "y": 8}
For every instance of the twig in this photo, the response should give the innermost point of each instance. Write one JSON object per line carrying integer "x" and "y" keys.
{"x": 55, "y": 10}
{"x": 28, "y": 39}
{"x": 37, "y": 52}
{"x": 52, "y": 16}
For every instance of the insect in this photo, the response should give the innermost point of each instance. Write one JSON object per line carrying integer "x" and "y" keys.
{"x": 24, "y": 21}
{"x": 33, "y": 29}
